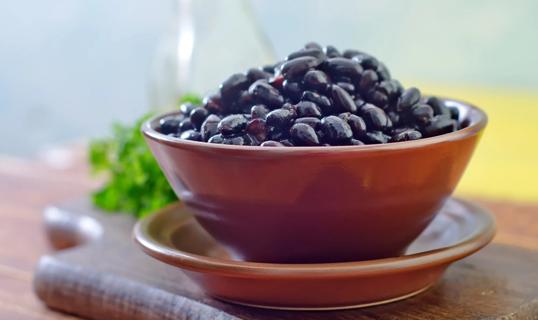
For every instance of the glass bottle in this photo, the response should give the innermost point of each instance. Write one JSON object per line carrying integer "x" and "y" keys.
{"x": 207, "y": 41}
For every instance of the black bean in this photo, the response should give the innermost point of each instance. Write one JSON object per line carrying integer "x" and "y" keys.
{"x": 320, "y": 100}
{"x": 350, "y": 88}
{"x": 276, "y": 67}
{"x": 169, "y": 125}
{"x": 298, "y": 67}
{"x": 209, "y": 127}
{"x": 342, "y": 99}
{"x": 316, "y": 53}
{"x": 192, "y": 135}
{"x": 335, "y": 130}
{"x": 259, "y": 111}
{"x": 342, "y": 67}
{"x": 292, "y": 90}
{"x": 313, "y": 45}
{"x": 255, "y": 74}
{"x": 264, "y": 93}
{"x": 375, "y": 117}
{"x": 394, "y": 117}
{"x": 186, "y": 125}
{"x": 280, "y": 118}
{"x": 316, "y": 80}
{"x": 232, "y": 124}
{"x": 277, "y": 134}
{"x": 376, "y": 137}
{"x": 186, "y": 108}
{"x": 356, "y": 142}
{"x": 440, "y": 125}
{"x": 271, "y": 143}
{"x": 270, "y": 68}
{"x": 366, "y": 61}
{"x": 232, "y": 87}
{"x": 242, "y": 140}
{"x": 359, "y": 102}
{"x": 422, "y": 113}
{"x": 311, "y": 121}
{"x": 356, "y": 123}
{"x": 343, "y": 79}
{"x": 213, "y": 104}
{"x": 245, "y": 99}
{"x": 218, "y": 138}
{"x": 312, "y": 83}
{"x": 350, "y": 53}
{"x": 389, "y": 88}
{"x": 257, "y": 129}
{"x": 289, "y": 106}
{"x": 438, "y": 106}
{"x": 454, "y": 113}
{"x": 368, "y": 81}
{"x": 383, "y": 72}
{"x": 287, "y": 143}
{"x": 307, "y": 109}
{"x": 198, "y": 116}
{"x": 331, "y": 52}
{"x": 399, "y": 85}
{"x": 406, "y": 135}
{"x": 409, "y": 98}
{"x": 276, "y": 81}
{"x": 303, "y": 135}
{"x": 378, "y": 98}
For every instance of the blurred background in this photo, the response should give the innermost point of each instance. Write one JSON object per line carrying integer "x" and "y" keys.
{"x": 70, "y": 68}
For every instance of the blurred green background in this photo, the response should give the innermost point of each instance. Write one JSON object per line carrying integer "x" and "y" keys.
{"x": 69, "y": 68}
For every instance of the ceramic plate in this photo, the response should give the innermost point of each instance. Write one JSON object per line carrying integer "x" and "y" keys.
{"x": 174, "y": 237}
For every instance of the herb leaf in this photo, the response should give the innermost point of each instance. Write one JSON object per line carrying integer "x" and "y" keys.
{"x": 136, "y": 184}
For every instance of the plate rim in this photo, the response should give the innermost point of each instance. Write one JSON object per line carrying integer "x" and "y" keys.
{"x": 199, "y": 263}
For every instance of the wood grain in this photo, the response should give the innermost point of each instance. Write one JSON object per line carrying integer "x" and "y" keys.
{"x": 27, "y": 186}
{"x": 109, "y": 277}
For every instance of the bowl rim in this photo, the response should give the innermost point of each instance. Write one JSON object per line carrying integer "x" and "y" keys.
{"x": 476, "y": 240}
{"x": 478, "y": 121}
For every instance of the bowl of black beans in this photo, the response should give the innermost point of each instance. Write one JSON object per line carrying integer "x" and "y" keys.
{"x": 322, "y": 156}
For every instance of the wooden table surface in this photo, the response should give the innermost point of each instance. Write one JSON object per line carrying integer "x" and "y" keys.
{"x": 27, "y": 186}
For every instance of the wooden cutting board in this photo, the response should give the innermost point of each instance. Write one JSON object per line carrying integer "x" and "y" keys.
{"x": 102, "y": 274}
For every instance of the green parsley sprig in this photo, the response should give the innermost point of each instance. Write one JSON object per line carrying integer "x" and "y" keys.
{"x": 135, "y": 183}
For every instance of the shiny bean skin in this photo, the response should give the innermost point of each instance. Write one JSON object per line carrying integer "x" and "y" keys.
{"x": 232, "y": 124}
{"x": 356, "y": 123}
{"x": 336, "y": 130}
{"x": 342, "y": 99}
{"x": 409, "y": 98}
{"x": 271, "y": 143}
{"x": 422, "y": 113}
{"x": 375, "y": 118}
{"x": 298, "y": 67}
{"x": 169, "y": 125}
{"x": 209, "y": 127}
{"x": 280, "y": 118}
{"x": 316, "y": 80}
{"x": 191, "y": 135}
{"x": 259, "y": 111}
{"x": 337, "y": 67}
{"x": 303, "y": 135}
{"x": 232, "y": 87}
{"x": 257, "y": 129}
{"x": 264, "y": 93}
{"x": 307, "y": 109}
{"x": 316, "y": 96}
{"x": 311, "y": 121}
{"x": 407, "y": 135}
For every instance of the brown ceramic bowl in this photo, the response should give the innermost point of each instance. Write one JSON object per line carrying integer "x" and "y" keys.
{"x": 317, "y": 204}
